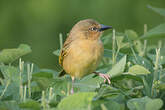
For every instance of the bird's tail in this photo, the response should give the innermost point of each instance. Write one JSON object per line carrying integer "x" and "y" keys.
{"x": 62, "y": 73}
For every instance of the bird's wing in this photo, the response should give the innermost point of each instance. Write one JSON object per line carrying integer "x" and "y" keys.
{"x": 65, "y": 50}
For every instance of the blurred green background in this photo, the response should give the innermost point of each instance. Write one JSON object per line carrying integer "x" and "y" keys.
{"x": 39, "y": 22}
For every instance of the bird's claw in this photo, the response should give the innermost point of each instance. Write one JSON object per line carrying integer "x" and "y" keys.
{"x": 106, "y": 77}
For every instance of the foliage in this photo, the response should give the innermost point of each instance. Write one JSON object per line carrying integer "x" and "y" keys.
{"x": 137, "y": 73}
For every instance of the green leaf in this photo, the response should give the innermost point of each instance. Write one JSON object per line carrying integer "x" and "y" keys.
{"x": 120, "y": 43}
{"x": 53, "y": 72}
{"x": 132, "y": 35}
{"x": 10, "y": 55}
{"x": 77, "y": 101}
{"x": 107, "y": 104}
{"x": 154, "y": 104}
{"x": 157, "y": 33}
{"x": 89, "y": 83}
{"x": 138, "y": 70}
{"x": 62, "y": 86}
{"x": 140, "y": 61}
{"x": 160, "y": 11}
{"x": 43, "y": 78}
{"x": 118, "y": 67}
{"x": 30, "y": 104}
{"x": 9, "y": 105}
{"x": 144, "y": 103}
{"x": 11, "y": 77}
{"x": 10, "y": 72}
{"x": 127, "y": 76}
{"x": 42, "y": 82}
{"x": 43, "y": 74}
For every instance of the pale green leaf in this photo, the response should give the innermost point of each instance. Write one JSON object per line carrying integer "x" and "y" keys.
{"x": 132, "y": 35}
{"x": 30, "y": 104}
{"x": 118, "y": 67}
{"x": 138, "y": 70}
{"x": 144, "y": 103}
{"x": 10, "y": 55}
{"x": 9, "y": 105}
{"x": 77, "y": 101}
{"x": 154, "y": 104}
{"x": 157, "y": 32}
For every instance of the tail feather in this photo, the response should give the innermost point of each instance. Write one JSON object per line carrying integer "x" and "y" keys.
{"x": 62, "y": 73}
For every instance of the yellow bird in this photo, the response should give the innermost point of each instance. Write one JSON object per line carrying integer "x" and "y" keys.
{"x": 83, "y": 50}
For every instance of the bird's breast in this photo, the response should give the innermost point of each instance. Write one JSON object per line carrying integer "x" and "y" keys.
{"x": 87, "y": 50}
{"x": 84, "y": 57}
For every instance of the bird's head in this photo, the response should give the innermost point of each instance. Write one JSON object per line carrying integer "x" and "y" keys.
{"x": 88, "y": 29}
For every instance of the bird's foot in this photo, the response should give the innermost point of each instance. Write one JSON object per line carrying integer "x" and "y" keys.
{"x": 72, "y": 91}
{"x": 106, "y": 77}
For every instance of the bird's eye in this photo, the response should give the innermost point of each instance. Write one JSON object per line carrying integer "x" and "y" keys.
{"x": 93, "y": 29}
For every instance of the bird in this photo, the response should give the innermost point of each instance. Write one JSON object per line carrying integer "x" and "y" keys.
{"x": 83, "y": 50}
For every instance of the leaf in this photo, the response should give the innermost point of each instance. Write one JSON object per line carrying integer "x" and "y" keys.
{"x": 9, "y": 105}
{"x": 144, "y": 103}
{"x": 157, "y": 32}
{"x": 11, "y": 76}
{"x": 160, "y": 11}
{"x": 140, "y": 61}
{"x": 53, "y": 72}
{"x": 61, "y": 86}
{"x": 108, "y": 104}
{"x": 154, "y": 104}
{"x": 77, "y": 101}
{"x": 132, "y": 35}
{"x": 127, "y": 76}
{"x": 43, "y": 78}
{"x": 30, "y": 104}
{"x": 9, "y": 55}
{"x": 88, "y": 83}
{"x": 138, "y": 70}
{"x": 118, "y": 67}
{"x": 10, "y": 72}
{"x": 42, "y": 82}
{"x": 43, "y": 74}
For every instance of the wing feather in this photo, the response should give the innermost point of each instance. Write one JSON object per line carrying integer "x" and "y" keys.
{"x": 65, "y": 50}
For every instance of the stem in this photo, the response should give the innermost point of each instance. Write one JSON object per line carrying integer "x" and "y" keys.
{"x": 145, "y": 41}
{"x": 21, "y": 69}
{"x": 50, "y": 93}
{"x": 103, "y": 107}
{"x": 132, "y": 49}
{"x": 61, "y": 41}
{"x": 145, "y": 28}
{"x": 113, "y": 48}
{"x": 155, "y": 74}
{"x": 156, "y": 64}
{"x": 29, "y": 72}
{"x": 43, "y": 101}
{"x": 144, "y": 48}
{"x": 24, "y": 95}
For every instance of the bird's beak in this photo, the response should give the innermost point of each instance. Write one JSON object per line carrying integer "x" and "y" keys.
{"x": 103, "y": 27}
